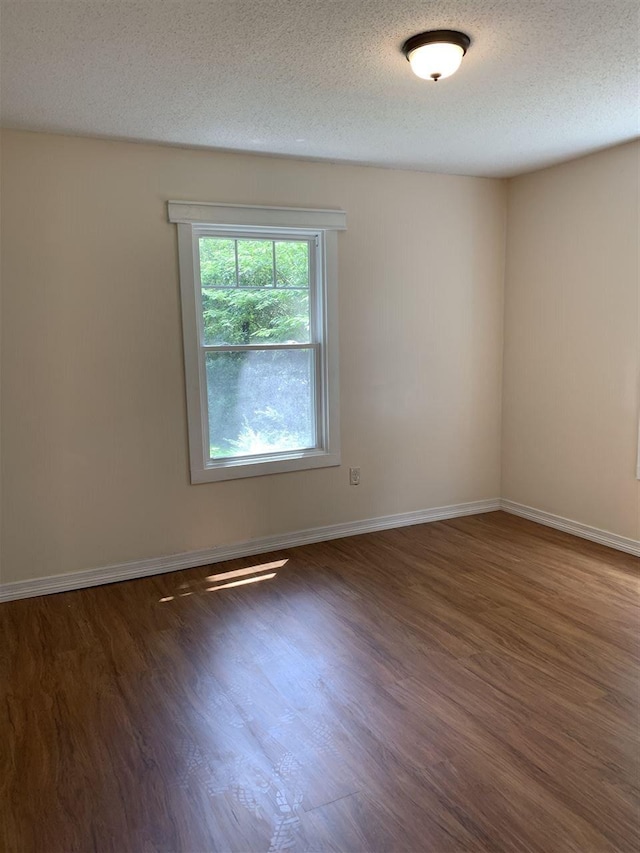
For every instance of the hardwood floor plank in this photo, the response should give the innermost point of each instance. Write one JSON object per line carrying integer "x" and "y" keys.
{"x": 541, "y": 637}
{"x": 526, "y": 682}
{"x": 601, "y": 614}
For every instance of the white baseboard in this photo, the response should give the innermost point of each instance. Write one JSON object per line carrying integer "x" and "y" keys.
{"x": 594, "y": 534}
{"x": 191, "y": 559}
{"x": 216, "y": 554}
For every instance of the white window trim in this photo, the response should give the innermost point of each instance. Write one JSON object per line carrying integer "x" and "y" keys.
{"x": 191, "y": 218}
{"x": 238, "y": 215}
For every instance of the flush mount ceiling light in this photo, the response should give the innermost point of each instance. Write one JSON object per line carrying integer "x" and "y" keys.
{"x": 436, "y": 54}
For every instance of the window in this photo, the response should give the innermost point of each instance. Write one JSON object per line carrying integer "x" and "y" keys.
{"x": 259, "y": 324}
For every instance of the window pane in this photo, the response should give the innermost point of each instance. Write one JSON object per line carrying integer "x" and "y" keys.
{"x": 260, "y": 402}
{"x": 292, "y": 263}
{"x": 255, "y": 263}
{"x": 217, "y": 262}
{"x": 255, "y": 316}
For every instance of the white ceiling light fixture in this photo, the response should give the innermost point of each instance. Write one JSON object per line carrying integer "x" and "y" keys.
{"x": 436, "y": 54}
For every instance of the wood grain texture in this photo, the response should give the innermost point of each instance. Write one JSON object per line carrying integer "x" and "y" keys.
{"x": 466, "y": 685}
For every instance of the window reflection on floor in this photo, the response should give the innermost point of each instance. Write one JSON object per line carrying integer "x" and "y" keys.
{"x": 254, "y": 571}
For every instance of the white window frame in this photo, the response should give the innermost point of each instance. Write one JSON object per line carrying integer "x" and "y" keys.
{"x": 195, "y": 219}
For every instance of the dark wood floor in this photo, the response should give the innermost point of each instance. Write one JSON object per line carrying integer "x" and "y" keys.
{"x": 459, "y": 686}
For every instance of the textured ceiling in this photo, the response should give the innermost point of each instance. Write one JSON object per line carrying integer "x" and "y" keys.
{"x": 544, "y": 80}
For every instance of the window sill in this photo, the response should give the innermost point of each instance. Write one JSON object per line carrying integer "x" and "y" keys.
{"x": 241, "y": 470}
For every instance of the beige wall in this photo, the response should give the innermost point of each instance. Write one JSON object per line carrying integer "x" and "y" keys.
{"x": 95, "y": 467}
{"x": 571, "y": 362}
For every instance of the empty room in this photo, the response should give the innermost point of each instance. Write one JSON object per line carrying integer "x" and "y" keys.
{"x": 320, "y": 414}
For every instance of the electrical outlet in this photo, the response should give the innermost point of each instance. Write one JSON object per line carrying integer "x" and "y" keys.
{"x": 354, "y": 476}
